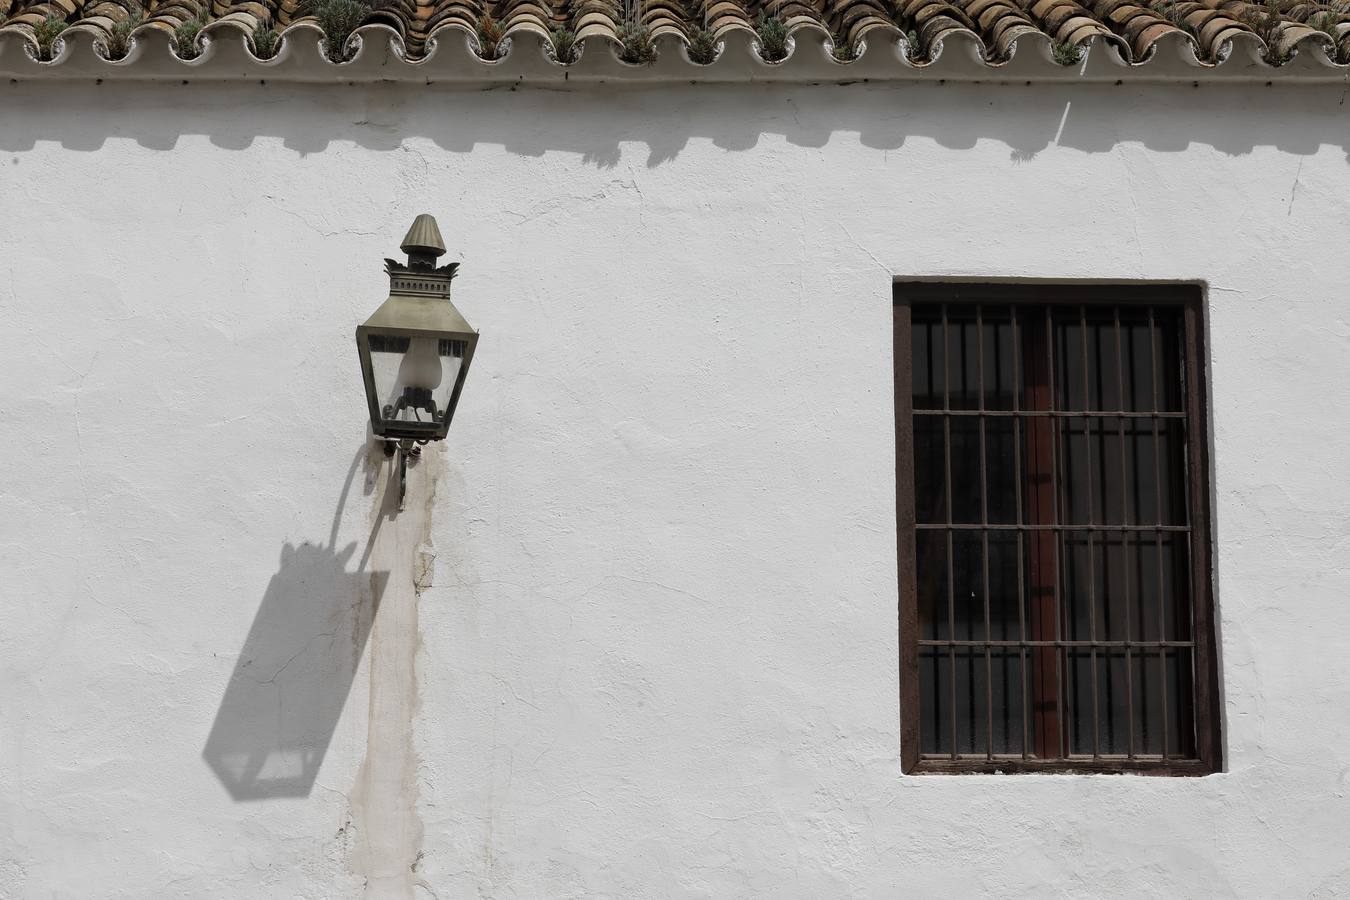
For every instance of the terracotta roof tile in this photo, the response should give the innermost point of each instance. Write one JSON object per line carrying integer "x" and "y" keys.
{"x": 915, "y": 29}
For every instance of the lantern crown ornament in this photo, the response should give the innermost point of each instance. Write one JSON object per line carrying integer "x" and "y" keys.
{"x": 423, "y": 242}
{"x": 416, "y": 348}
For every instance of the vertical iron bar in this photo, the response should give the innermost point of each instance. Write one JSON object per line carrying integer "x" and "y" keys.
{"x": 1017, "y": 381}
{"x": 1091, "y": 564}
{"x": 1061, "y": 733}
{"x": 984, "y": 538}
{"x": 1125, "y": 541}
{"x": 947, "y": 488}
{"x": 1158, "y": 515}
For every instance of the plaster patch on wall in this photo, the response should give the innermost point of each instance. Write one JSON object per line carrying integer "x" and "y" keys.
{"x": 387, "y": 851}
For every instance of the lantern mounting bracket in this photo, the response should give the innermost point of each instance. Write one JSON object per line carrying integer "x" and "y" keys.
{"x": 405, "y": 448}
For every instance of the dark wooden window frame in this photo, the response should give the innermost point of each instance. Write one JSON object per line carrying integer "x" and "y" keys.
{"x": 1189, "y": 299}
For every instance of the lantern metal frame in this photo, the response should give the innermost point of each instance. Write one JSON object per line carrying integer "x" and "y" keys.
{"x": 418, "y": 306}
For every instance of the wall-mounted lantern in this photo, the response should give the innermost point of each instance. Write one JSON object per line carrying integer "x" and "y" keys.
{"x": 415, "y": 350}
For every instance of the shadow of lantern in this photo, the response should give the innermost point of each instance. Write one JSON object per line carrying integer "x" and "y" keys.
{"x": 292, "y": 677}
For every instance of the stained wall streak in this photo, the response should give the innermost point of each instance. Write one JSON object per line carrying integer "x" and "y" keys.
{"x": 387, "y": 828}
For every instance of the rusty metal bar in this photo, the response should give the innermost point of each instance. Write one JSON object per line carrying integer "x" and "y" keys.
{"x": 984, "y": 536}
{"x": 1091, "y": 564}
{"x": 947, "y": 488}
{"x": 995, "y": 642}
{"x": 1017, "y": 380}
{"x": 1057, "y": 414}
{"x": 1181, "y": 529}
{"x": 1043, "y": 591}
{"x": 1124, "y": 537}
{"x": 1158, "y": 515}
{"x": 1053, "y": 508}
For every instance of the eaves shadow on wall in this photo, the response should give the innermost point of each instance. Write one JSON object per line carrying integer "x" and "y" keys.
{"x": 296, "y": 667}
{"x": 596, "y": 122}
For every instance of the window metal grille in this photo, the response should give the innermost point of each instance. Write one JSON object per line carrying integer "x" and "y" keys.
{"x": 1054, "y": 542}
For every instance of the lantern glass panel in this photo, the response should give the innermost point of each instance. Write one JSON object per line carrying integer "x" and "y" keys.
{"x": 414, "y": 376}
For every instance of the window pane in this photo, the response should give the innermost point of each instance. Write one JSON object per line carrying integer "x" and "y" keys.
{"x": 1113, "y": 723}
{"x": 1180, "y": 691}
{"x": 1078, "y": 700}
{"x": 972, "y": 721}
{"x": 1077, "y": 584}
{"x": 1160, "y": 587}
{"x": 1107, "y": 436}
{"x": 1005, "y": 586}
{"x": 999, "y": 382}
{"x": 968, "y": 585}
{"x": 931, "y": 554}
{"x": 963, "y": 359}
{"x": 966, "y": 469}
{"x": 1136, "y": 361}
{"x": 1115, "y": 587}
{"x": 1074, "y": 465}
{"x": 1008, "y": 692}
{"x": 930, "y": 470}
{"x": 1103, "y": 375}
{"x": 926, "y": 361}
{"x": 1168, "y": 366}
{"x": 1068, "y": 361}
{"x": 935, "y": 735}
{"x": 1000, "y": 466}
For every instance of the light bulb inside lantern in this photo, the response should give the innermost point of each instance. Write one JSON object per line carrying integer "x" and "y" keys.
{"x": 421, "y": 366}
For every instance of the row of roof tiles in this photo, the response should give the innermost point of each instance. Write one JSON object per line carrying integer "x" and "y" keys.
{"x": 918, "y": 28}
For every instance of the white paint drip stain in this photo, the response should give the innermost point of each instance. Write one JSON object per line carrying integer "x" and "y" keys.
{"x": 387, "y": 851}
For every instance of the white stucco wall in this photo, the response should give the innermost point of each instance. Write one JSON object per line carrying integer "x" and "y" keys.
{"x": 654, "y": 652}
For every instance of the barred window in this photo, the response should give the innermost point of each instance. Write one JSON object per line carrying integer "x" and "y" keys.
{"x": 1053, "y": 531}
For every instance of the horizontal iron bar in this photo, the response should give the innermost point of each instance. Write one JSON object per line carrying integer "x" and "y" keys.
{"x": 975, "y": 526}
{"x": 1146, "y": 645}
{"x": 1050, "y": 414}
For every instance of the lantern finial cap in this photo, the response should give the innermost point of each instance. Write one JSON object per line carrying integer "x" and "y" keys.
{"x": 423, "y": 242}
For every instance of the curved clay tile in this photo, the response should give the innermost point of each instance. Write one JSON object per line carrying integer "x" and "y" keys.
{"x": 1143, "y": 33}
{"x": 1289, "y": 28}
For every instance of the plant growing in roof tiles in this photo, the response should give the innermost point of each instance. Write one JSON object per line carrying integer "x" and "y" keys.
{"x": 1176, "y": 11}
{"x": 265, "y": 42}
{"x": 1267, "y": 21}
{"x": 119, "y": 39}
{"x": 913, "y": 52}
{"x": 702, "y": 46}
{"x": 1328, "y": 21}
{"x": 46, "y": 32}
{"x": 1066, "y": 54}
{"x": 843, "y": 51}
{"x": 564, "y": 43}
{"x": 338, "y": 19}
{"x": 1324, "y": 21}
{"x": 490, "y": 34}
{"x": 773, "y": 37}
{"x": 635, "y": 44}
{"x": 186, "y": 34}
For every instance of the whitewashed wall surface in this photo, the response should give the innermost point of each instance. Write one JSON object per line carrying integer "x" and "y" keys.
{"x": 636, "y": 633}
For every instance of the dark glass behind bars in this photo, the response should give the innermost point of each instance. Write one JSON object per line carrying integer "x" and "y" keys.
{"x": 1052, "y": 537}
